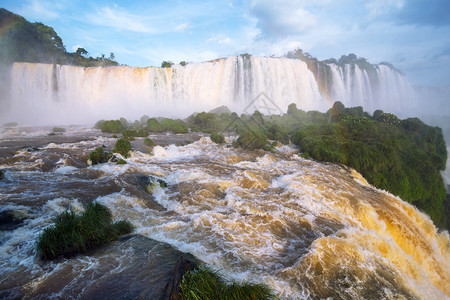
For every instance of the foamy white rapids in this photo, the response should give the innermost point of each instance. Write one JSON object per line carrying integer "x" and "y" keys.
{"x": 307, "y": 229}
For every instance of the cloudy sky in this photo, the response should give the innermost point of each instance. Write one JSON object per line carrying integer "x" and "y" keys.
{"x": 414, "y": 35}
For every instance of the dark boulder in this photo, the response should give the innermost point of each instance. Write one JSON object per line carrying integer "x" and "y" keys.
{"x": 11, "y": 219}
{"x": 133, "y": 267}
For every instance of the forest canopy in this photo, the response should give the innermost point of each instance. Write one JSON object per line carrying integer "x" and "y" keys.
{"x": 22, "y": 41}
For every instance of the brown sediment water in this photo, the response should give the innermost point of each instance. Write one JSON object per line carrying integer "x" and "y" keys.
{"x": 307, "y": 229}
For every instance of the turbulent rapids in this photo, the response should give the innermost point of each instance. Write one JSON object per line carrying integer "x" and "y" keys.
{"x": 307, "y": 229}
{"x": 66, "y": 94}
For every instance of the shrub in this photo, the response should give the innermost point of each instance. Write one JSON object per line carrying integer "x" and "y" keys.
{"x": 153, "y": 125}
{"x": 217, "y": 138}
{"x": 112, "y": 126}
{"x": 123, "y": 147}
{"x": 166, "y": 64}
{"x": 143, "y": 132}
{"x": 206, "y": 284}
{"x": 175, "y": 126}
{"x": 121, "y": 162}
{"x": 99, "y": 156}
{"x": 252, "y": 139}
{"x": 128, "y": 133}
{"x": 148, "y": 142}
{"x": 72, "y": 233}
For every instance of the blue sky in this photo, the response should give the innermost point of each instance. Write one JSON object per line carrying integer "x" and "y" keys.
{"x": 414, "y": 35}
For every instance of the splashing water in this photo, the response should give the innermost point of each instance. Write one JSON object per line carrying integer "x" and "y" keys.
{"x": 307, "y": 229}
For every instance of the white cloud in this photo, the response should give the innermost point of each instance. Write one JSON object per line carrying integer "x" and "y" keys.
{"x": 378, "y": 8}
{"x": 75, "y": 48}
{"x": 280, "y": 18}
{"x": 118, "y": 18}
{"x": 40, "y": 10}
{"x": 219, "y": 39}
{"x": 181, "y": 27}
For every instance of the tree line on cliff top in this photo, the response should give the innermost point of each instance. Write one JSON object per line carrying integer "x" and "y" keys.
{"x": 23, "y": 41}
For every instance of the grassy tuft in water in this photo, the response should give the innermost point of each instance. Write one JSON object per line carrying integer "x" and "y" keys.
{"x": 73, "y": 233}
{"x": 205, "y": 284}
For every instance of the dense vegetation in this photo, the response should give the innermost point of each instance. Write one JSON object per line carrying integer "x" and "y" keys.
{"x": 403, "y": 157}
{"x": 206, "y": 284}
{"x": 72, "y": 233}
{"x": 23, "y": 41}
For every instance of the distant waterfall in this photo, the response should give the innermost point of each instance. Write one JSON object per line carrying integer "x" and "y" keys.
{"x": 381, "y": 87}
{"x": 43, "y": 93}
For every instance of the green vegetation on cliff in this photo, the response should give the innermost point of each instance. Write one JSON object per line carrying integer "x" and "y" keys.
{"x": 403, "y": 157}
{"x": 23, "y": 41}
{"x": 72, "y": 233}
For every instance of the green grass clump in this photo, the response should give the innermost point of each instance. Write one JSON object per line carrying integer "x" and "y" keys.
{"x": 205, "y": 284}
{"x": 123, "y": 146}
{"x": 149, "y": 142}
{"x": 99, "y": 156}
{"x": 217, "y": 138}
{"x": 73, "y": 233}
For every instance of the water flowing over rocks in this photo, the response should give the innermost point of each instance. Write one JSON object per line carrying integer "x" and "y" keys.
{"x": 306, "y": 229}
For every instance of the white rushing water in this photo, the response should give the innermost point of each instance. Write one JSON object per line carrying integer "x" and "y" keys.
{"x": 307, "y": 229}
{"x": 42, "y": 93}
{"x": 385, "y": 88}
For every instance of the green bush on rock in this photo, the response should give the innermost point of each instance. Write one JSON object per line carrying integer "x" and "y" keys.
{"x": 217, "y": 138}
{"x": 72, "y": 233}
{"x": 112, "y": 126}
{"x": 252, "y": 139}
{"x": 123, "y": 147}
{"x": 99, "y": 156}
{"x": 149, "y": 142}
{"x": 206, "y": 284}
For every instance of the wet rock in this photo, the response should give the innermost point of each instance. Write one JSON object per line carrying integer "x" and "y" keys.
{"x": 148, "y": 182}
{"x": 2, "y": 174}
{"x": 172, "y": 289}
{"x": 132, "y": 267}
{"x": 32, "y": 149}
{"x": 11, "y": 219}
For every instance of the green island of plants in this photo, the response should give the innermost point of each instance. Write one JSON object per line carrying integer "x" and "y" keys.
{"x": 72, "y": 233}
{"x": 204, "y": 284}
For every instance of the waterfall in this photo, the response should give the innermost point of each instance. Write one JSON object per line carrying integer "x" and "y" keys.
{"x": 380, "y": 87}
{"x": 44, "y": 93}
